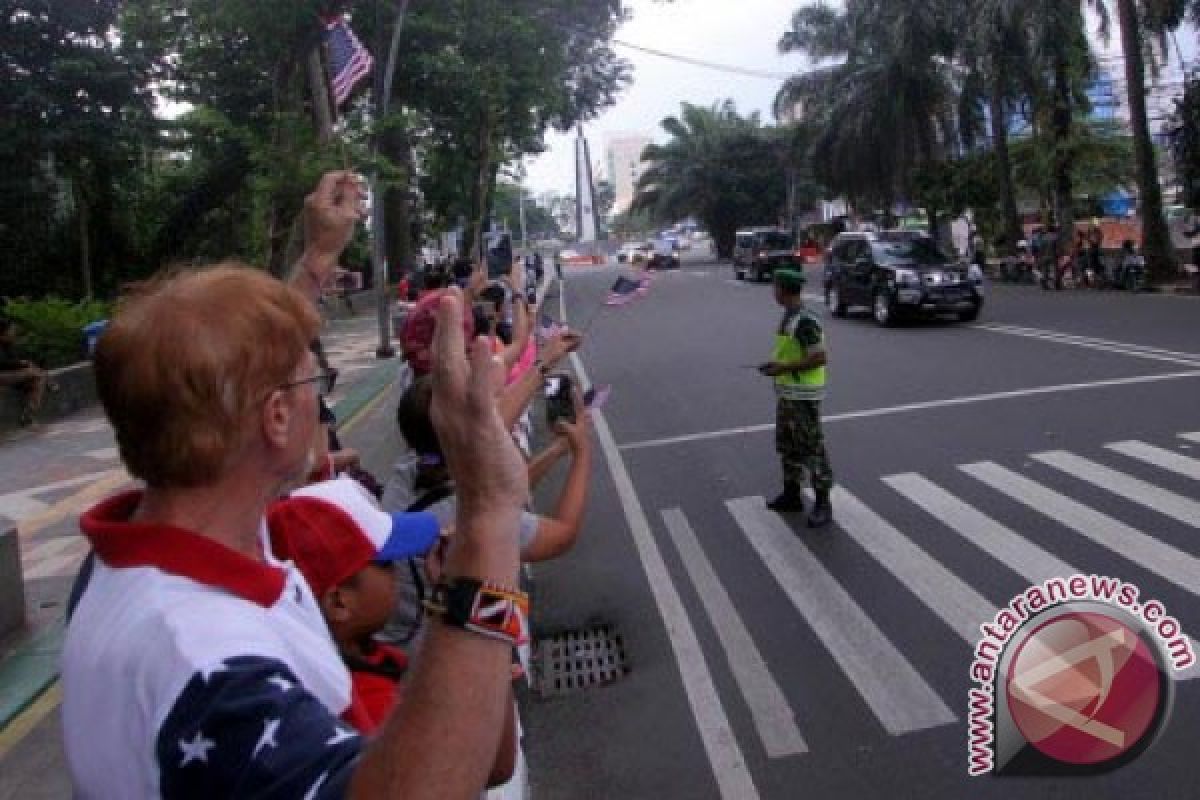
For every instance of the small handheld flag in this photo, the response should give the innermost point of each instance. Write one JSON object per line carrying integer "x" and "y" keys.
{"x": 622, "y": 292}
{"x": 349, "y": 61}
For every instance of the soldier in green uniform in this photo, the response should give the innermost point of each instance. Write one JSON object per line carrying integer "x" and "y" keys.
{"x": 798, "y": 366}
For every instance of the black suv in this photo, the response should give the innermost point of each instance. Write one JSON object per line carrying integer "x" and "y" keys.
{"x": 897, "y": 274}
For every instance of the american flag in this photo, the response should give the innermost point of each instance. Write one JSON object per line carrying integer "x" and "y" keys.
{"x": 548, "y": 328}
{"x": 247, "y": 727}
{"x": 622, "y": 292}
{"x": 349, "y": 61}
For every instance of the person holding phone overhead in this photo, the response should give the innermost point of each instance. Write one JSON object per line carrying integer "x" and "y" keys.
{"x": 798, "y": 366}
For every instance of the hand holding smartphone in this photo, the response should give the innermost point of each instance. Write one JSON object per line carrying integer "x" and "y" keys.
{"x": 595, "y": 397}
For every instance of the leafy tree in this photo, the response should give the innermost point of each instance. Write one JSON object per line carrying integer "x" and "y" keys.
{"x": 74, "y": 114}
{"x": 1138, "y": 17}
{"x": 539, "y": 223}
{"x": 720, "y": 167}
{"x": 491, "y": 77}
{"x": 886, "y": 105}
{"x": 241, "y": 67}
{"x": 1184, "y": 139}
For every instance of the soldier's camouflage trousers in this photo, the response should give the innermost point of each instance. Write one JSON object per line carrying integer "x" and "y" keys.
{"x": 801, "y": 444}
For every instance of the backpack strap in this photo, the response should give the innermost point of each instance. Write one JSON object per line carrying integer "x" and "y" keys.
{"x": 431, "y": 498}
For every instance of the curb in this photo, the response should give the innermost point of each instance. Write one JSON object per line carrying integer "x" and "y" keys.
{"x": 28, "y": 671}
{"x": 32, "y": 667}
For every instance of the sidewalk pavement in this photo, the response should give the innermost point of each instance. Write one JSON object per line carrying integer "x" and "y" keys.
{"x": 53, "y": 474}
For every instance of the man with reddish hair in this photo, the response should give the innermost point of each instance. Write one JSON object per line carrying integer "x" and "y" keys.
{"x": 196, "y": 664}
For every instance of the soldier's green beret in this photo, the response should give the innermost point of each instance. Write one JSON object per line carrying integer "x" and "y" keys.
{"x": 790, "y": 280}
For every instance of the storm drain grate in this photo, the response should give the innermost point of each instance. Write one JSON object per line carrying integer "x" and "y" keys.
{"x": 574, "y": 660}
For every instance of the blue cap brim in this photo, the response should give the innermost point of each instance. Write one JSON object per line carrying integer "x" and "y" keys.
{"x": 413, "y": 534}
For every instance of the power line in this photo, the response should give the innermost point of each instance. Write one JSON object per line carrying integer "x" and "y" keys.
{"x": 696, "y": 62}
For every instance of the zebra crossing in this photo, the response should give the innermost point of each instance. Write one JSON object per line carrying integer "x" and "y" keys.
{"x": 890, "y": 687}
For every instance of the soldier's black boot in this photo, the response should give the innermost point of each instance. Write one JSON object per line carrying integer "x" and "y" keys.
{"x": 789, "y": 502}
{"x": 822, "y": 513}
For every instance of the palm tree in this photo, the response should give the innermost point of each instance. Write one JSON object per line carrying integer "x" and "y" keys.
{"x": 725, "y": 169}
{"x": 1059, "y": 48}
{"x": 997, "y": 58}
{"x": 1151, "y": 16}
{"x": 888, "y": 106}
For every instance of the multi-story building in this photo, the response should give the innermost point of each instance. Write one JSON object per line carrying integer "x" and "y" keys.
{"x": 623, "y": 166}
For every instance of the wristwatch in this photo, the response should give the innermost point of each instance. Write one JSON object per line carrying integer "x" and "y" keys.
{"x": 481, "y": 607}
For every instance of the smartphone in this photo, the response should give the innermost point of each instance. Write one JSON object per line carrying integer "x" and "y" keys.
{"x": 596, "y": 397}
{"x": 483, "y": 323}
{"x": 560, "y": 404}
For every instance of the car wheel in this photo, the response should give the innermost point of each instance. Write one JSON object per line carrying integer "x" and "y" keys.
{"x": 883, "y": 309}
{"x": 972, "y": 315}
{"x": 833, "y": 299}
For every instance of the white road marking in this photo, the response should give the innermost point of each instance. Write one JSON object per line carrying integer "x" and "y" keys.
{"x": 916, "y": 407}
{"x": 18, "y": 506}
{"x": 896, "y": 694}
{"x": 1159, "y": 457}
{"x": 720, "y": 743}
{"x": 1174, "y": 565}
{"x": 954, "y": 602}
{"x": 22, "y": 505}
{"x": 1191, "y": 437}
{"x": 1137, "y": 351}
{"x": 1091, "y": 340}
{"x": 1023, "y": 557}
{"x": 104, "y": 454}
{"x": 75, "y": 428}
{"x": 1133, "y": 489}
{"x": 63, "y": 564}
{"x": 47, "y": 549}
{"x": 773, "y": 717}
{"x": 1014, "y": 551}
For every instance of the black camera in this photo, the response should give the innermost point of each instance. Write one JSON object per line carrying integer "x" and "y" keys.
{"x": 483, "y": 323}
{"x": 499, "y": 255}
{"x": 560, "y": 399}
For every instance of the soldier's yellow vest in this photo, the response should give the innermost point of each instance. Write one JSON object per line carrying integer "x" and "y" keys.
{"x": 806, "y": 385}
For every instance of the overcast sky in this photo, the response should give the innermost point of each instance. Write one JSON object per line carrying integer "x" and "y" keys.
{"x": 743, "y": 33}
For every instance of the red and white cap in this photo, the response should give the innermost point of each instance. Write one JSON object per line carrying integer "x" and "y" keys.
{"x": 333, "y": 529}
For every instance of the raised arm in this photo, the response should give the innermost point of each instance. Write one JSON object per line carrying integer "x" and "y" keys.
{"x": 442, "y": 739}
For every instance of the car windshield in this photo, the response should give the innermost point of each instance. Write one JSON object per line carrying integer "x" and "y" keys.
{"x": 775, "y": 241}
{"x": 921, "y": 252}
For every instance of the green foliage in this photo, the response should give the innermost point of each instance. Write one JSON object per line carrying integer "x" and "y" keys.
{"x": 490, "y": 77}
{"x": 724, "y": 169}
{"x": 1185, "y": 140}
{"x": 1101, "y": 158}
{"x": 74, "y": 107}
{"x": 50, "y": 330}
{"x": 881, "y": 109}
{"x": 102, "y": 192}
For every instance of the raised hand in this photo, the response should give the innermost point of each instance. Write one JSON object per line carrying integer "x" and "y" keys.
{"x": 330, "y": 214}
{"x": 489, "y": 473}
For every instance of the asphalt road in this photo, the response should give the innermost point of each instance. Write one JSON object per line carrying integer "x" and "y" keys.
{"x": 778, "y": 663}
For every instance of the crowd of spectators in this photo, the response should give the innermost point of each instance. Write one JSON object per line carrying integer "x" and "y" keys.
{"x": 226, "y": 637}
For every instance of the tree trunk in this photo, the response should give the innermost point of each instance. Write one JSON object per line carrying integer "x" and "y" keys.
{"x": 1013, "y": 232}
{"x": 85, "y": 239}
{"x": 394, "y": 146}
{"x": 322, "y": 105}
{"x": 1156, "y": 238}
{"x": 479, "y": 190}
{"x": 1064, "y": 210}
